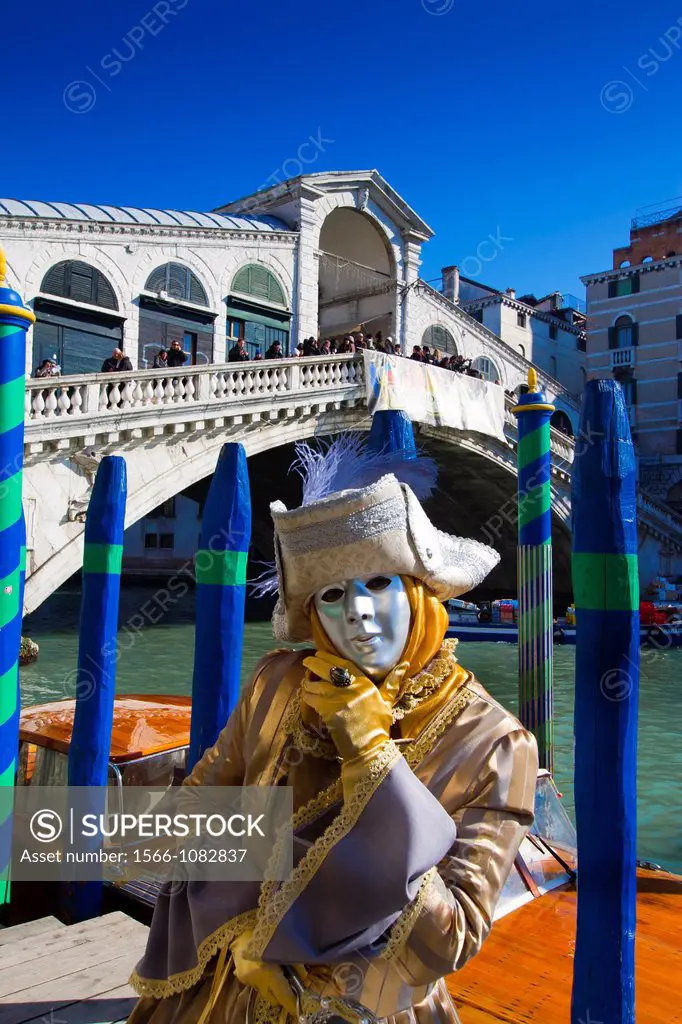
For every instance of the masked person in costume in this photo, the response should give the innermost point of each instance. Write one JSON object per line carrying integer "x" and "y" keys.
{"x": 412, "y": 787}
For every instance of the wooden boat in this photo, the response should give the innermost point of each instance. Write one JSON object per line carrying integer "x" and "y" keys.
{"x": 523, "y": 972}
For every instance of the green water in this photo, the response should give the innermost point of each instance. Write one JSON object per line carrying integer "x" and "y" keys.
{"x": 157, "y": 658}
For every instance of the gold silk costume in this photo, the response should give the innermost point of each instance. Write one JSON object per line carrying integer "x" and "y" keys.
{"x": 471, "y": 755}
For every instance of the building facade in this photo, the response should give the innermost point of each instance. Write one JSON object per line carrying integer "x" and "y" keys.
{"x": 635, "y": 335}
{"x": 550, "y": 332}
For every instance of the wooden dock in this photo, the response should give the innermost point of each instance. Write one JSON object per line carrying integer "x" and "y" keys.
{"x": 54, "y": 974}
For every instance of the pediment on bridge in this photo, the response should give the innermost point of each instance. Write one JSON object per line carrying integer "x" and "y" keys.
{"x": 285, "y": 199}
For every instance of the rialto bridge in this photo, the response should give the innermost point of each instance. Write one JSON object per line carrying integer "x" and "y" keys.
{"x": 170, "y": 430}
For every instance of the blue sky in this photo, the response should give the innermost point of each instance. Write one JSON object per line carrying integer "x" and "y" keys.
{"x": 543, "y": 126}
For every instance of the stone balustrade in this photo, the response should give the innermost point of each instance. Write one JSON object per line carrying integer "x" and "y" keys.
{"x": 71, "y": 413}
{"x": 85, "y": 406}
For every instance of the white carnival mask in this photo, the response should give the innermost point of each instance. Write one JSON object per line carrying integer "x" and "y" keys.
{"x": 367, "y": 620}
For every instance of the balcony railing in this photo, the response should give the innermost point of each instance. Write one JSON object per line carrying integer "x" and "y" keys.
{"x": 623, "y": 357}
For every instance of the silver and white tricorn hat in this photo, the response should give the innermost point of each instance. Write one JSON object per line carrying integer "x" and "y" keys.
{"x": 379, "y": 527}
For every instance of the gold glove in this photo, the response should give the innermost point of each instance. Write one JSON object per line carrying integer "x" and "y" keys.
{"x": 267, "y": 979}
{"x": 358, "y": 716}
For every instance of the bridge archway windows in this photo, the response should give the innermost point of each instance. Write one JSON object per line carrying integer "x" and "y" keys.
{"x": 357, "y": 276}
{"x": 178, "y": 282}
{"x": 487, "y": 368}
{"x": 174, "y": 307}
{"x": 440, "y": 338}
{"x": 560, "y": 421}
{"x": 77, "y": 319}
{"x": 257, "y": 310}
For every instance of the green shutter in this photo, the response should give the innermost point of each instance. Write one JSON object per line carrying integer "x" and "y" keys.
{"x": 54, "y": 282}
{"x": 257, "y": 280}
{"x": 634, "y": 284}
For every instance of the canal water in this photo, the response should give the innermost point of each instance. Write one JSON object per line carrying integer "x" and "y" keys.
{"x": 157, "y": 658}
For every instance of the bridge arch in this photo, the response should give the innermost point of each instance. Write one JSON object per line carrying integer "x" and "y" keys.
{"x": 163, "y": 465}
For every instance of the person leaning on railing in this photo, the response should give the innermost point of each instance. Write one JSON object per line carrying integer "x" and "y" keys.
{"x": 116, "y": 363}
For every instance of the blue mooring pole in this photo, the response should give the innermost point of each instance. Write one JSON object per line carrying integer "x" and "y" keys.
{"x": 391, "y": 431}
{"x": 606, "y": 591}
{"x": 220, "y": 599}
{"x": 97, "y": 652}
{"x": 15, "y": 319}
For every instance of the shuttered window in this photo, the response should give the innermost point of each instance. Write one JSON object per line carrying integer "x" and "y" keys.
{"x": 440, "y": 338}
{"x": 72, "y": 279}
{"x": 624, "y": 333}
{"x": 179, "y": 282}
{"x": 257, "y": 281}
{"x": 678, "y": 325}
{"x": 624, "y": 286}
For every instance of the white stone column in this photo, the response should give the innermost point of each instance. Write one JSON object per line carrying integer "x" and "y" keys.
{"x": 411, "y": 264}
{"x": 304, "y": 322}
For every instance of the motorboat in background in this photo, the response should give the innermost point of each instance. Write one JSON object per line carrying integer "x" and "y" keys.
{"x": 497, "y": 622}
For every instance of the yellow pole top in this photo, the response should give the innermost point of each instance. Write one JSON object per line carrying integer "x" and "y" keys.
{"x": 532, "y": 381}
{"x": 3, "y": 266}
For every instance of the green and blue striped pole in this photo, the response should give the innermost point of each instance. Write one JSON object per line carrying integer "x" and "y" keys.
{"x": 534, "y": 567}
{"x": 220, "y": 569}
{"x": 15, "y": 319}
{"x": 606, "y": 590}
{"x": 97, "y": 652}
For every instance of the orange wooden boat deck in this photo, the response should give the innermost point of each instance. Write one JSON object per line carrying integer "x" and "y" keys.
{"x": 525, "y": 968}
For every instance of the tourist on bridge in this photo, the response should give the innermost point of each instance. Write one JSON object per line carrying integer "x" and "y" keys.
{"x": 160, "y": 360}
{"x": 48, "y": 368}
{"x": 116, "y": 363}
{"x": 417, "y": 354}
{"x": 275, "y": 351}
{"x": 176, "y": 357}
{"x": 238, "y": 353}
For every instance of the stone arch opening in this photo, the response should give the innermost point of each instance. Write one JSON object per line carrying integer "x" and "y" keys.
{"x": 560, "y": 421}
{"x": 357, "y": 276}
